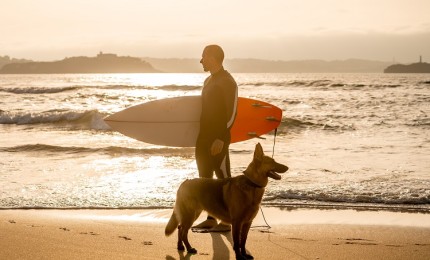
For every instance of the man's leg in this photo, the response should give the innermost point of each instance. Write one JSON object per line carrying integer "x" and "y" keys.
{"x": 222, "y": 170}
{"x": 205, "y": 167}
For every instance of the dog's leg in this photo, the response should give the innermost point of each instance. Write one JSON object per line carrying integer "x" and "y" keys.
{"x": 236, "y": 230}
{"x": 243, "y": 237}
{"x": 187, "y": 217}
{"x": 240, "y": 234}
{"x": 184, "y": 239}
{"x": 180, "y": 244}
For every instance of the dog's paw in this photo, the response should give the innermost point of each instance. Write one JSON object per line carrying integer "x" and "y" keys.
{"x": 181, "y": 247}
{"x": 248, "y": 256}
{"x": 243, "y": 257}
{"x": 192, "y": 251}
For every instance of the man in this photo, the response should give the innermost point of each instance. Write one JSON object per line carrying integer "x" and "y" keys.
{"x": 219, "y": 104}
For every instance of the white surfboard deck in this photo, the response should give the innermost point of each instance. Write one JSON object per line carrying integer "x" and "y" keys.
{"x": 175, "y": 121}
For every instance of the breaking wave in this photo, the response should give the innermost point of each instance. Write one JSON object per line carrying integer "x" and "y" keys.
{"x": 91, "y": 119}
{"x": 111, "y": 150}
{"x": 419, "y": 196}
{"x": 297, "y": 124}
{"x": 329, "y": 84}
{"x": 37, "y": 90}
{"x": 53, "y": 90}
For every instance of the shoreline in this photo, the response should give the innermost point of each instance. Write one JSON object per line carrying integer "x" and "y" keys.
{"x": 139, "y": 234}
{"x": 396, "y": 208}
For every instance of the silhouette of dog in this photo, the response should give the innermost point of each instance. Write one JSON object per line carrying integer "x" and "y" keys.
{"x": 232, "y": 200}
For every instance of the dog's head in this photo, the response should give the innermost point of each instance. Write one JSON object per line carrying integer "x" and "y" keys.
{"x": 262, "y": 167}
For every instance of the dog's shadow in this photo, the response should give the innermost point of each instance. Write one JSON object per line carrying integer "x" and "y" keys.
{"x": 220, "y": 247}
{"x": 182, "y": 256}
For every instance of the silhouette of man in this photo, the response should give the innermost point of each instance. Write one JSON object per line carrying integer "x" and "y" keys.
{"x": 219, "y": 104}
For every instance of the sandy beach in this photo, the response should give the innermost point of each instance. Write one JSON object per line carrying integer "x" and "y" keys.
{"x": 139, "y": 234}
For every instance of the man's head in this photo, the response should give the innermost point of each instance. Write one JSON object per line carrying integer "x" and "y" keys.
{"x": 212, "y": 58}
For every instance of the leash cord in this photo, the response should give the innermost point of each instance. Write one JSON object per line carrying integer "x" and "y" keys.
{"x": 264, "y": 217}
{"x": 274, "y": 142}
{"x": 261, "y": 209}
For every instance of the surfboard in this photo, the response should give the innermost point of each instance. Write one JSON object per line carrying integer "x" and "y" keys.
{"x": 175, "y": 121}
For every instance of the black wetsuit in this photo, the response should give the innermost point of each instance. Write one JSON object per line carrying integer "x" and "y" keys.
{"x": 219, "y": 105}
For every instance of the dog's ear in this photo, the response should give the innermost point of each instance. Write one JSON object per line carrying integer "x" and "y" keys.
{"x": 258, "y": 153}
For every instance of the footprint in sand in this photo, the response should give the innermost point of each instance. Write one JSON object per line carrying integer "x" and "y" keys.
{"x": 89, "y": 233}
{"x": 12, "y": 221}
{"x": 394, "y": 245}
{"x": 35, "y": 226}
{"x": 147, "y": 243}
{"x": 125, "y": 238}
{"x": 64, "y": 229}
{"x": 265, "y": 231}
{"x": 294, "y": 238}
{"x": 422, "y": 244}
{"x": 359, "y": 241}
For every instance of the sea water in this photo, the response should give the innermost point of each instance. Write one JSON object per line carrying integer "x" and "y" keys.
{"x": 350, "y": 140}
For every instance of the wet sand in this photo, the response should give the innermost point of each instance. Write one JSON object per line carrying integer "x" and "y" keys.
{"x": 139, "y": 234}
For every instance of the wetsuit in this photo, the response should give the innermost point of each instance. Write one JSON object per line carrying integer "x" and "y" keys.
{"x": 219, "y": 105}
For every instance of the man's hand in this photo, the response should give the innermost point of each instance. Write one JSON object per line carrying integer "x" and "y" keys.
{"x": 217, "y": 146}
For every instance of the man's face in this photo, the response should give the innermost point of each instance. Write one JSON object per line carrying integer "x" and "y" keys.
{"x": 206, "y": 60}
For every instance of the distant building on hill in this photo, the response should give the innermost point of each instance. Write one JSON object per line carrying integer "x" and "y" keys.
{"x": 106, "y": 55}
{"x": 419, "y": 67}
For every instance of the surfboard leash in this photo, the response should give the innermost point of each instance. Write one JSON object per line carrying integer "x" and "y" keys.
{"x": 261, "y": 209}
{"x": 274, "y": 142}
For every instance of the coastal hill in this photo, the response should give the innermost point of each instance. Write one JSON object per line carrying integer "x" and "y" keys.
{"x": 111, "y": 63}
{"x": 102, "y": 63}
{"x": 421, "y": 67}
{"x": 6, "y": 60}
{"x": 270, "y": 66}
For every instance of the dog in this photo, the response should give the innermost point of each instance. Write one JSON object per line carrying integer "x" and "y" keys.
{"x": 232, "y": 200}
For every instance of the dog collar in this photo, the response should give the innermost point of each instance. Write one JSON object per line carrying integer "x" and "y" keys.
{"x": 252, "y": 184}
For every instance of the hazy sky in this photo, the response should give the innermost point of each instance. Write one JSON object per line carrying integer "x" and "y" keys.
{"x": 269, "y": 29}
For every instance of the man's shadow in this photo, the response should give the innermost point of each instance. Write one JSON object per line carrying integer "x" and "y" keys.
{"x": 221, "y": 249}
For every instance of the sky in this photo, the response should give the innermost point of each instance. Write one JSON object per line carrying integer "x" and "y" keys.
{"x": 385, "y": 30}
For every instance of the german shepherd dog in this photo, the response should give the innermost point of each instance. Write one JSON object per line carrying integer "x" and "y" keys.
{"x": 232, "y": 200}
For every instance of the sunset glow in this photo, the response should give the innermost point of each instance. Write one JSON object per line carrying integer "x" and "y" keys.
{"x": 273, "y": 29}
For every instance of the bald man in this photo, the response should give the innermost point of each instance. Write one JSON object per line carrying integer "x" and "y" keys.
{"x": 219, "y": 105}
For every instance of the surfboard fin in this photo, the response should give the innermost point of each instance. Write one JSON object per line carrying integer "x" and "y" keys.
{"x": 272, "y": 118}
{"x": 254, "y": 134}
{"x": 260, "y": 105}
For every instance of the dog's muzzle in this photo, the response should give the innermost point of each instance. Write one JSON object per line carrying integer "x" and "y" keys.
{"x": 274, "y": 173}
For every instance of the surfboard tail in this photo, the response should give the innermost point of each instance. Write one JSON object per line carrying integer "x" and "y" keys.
{"x": 171, "y": 225}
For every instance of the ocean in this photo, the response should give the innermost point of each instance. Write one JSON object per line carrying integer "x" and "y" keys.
{"x": 357, "y": 141}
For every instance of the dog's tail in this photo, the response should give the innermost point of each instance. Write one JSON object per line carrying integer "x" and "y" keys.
{"x": 171, "y": 225}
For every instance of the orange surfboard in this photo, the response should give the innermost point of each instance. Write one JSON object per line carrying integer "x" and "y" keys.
{"x": 254, "y": 118}
{"x": 175, "y": 121}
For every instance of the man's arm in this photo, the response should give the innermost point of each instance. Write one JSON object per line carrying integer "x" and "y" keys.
{"x": 229, "y": 94}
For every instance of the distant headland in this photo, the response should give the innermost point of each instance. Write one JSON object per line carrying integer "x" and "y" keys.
{"x": 112, "y": 63}
{"x": 419, "y": 67}
{"x": 102, "y": 63}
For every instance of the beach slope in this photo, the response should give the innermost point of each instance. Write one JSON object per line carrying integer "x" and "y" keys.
{"x": 139, "y": 234}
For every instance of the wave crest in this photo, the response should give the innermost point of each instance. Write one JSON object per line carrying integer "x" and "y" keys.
{"x": 91, "y": 119}
{"x": 293, "y": 123}
{"x": 321, "y": 83}
{"x": 54, "y": 90}
{"x": 417, "y": 197}
{"x": 37, "y": 90}
{"x": 110, "y": 150}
